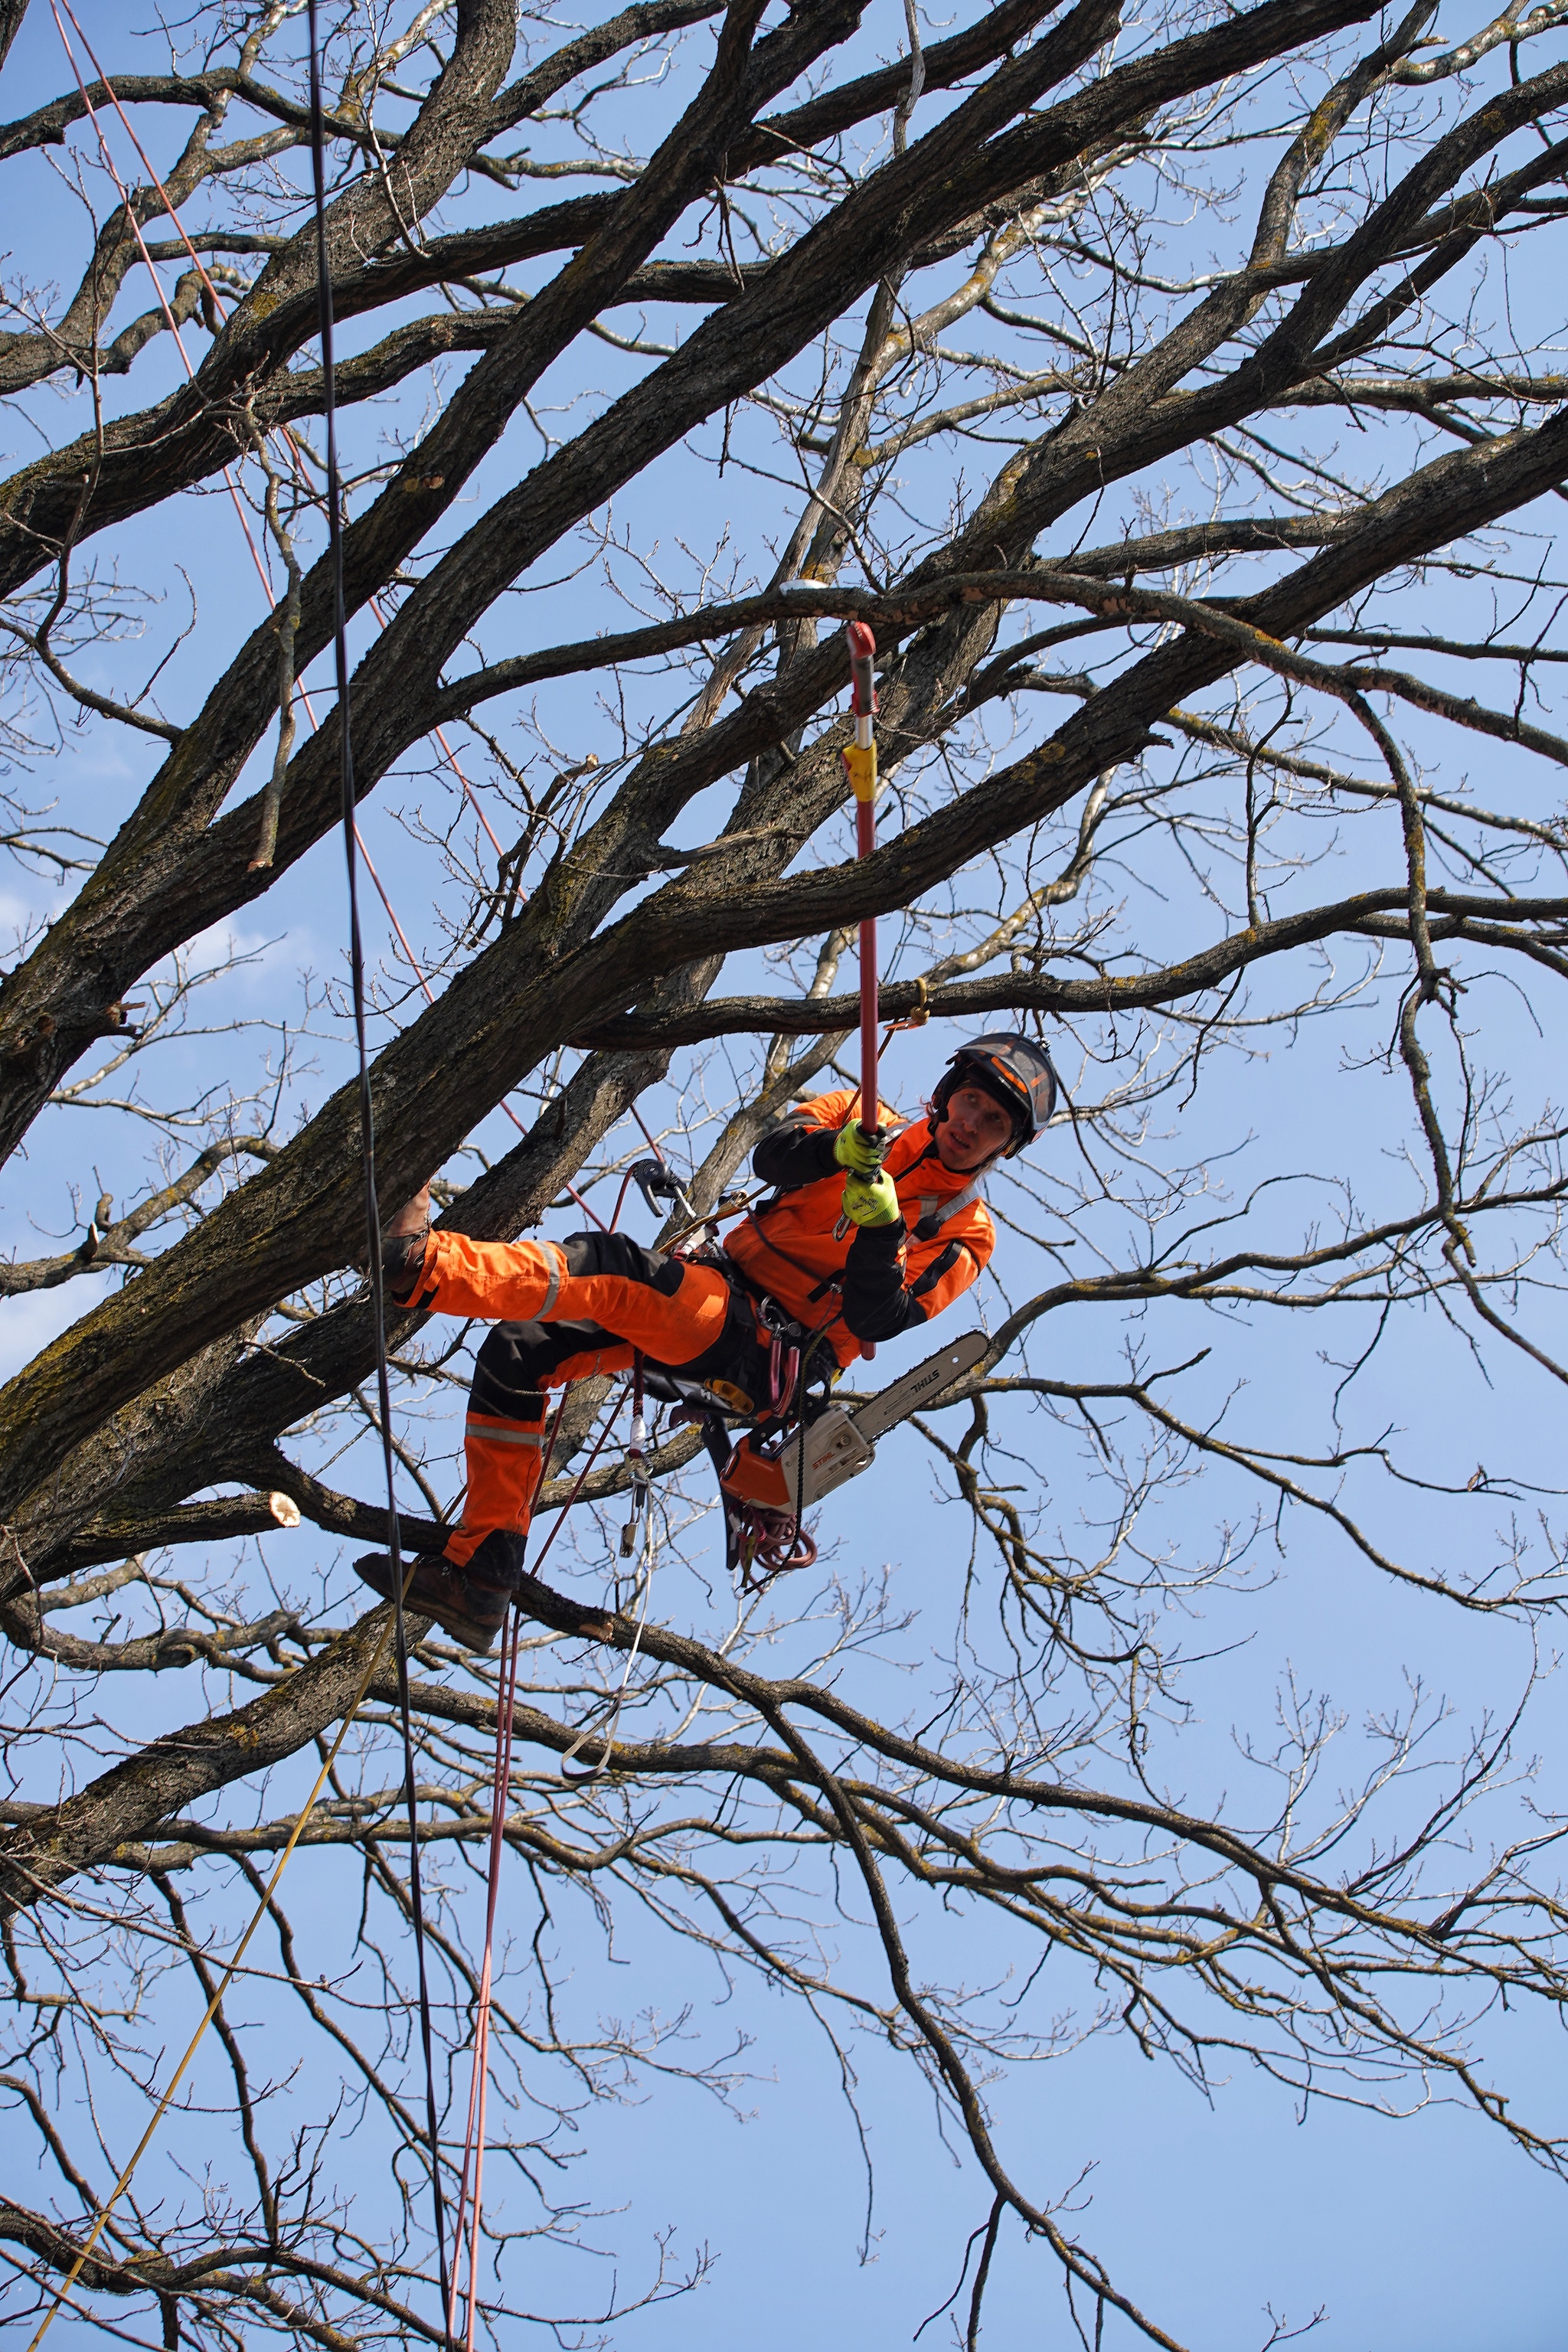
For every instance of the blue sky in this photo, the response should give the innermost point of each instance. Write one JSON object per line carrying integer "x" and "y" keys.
{"x": 1428, "y": 2231}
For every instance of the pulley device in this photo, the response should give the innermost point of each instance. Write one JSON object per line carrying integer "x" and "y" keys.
{"x": 660, "y": 1188}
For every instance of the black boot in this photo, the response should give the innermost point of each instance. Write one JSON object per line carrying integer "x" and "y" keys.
{"x": 469, "y": 1602}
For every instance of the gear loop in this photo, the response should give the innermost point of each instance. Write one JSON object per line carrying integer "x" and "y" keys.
{"x": 918, "y": 1015}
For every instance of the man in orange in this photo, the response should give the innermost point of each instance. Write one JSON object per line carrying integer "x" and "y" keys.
{"x": 864, "y": 1237}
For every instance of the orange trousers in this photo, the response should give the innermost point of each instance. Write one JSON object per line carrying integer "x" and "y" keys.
{"x": 562, "y": 1311}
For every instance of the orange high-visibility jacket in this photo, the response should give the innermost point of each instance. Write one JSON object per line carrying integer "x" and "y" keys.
{"x": 788, "y": 1249}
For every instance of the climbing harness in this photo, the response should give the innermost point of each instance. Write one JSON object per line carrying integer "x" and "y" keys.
{"x": 763, "y": 1530}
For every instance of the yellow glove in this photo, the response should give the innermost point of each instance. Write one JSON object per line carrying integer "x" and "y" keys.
{"x": 861, "y": 1154}
{"x": 872, "y": 1200}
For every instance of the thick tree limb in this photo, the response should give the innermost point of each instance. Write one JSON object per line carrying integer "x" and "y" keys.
{"x": 186, "y": 1765}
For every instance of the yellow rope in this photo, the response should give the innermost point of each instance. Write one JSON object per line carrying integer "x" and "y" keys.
{"x": 213, "y": 2005}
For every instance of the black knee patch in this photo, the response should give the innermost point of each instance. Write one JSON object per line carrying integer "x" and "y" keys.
{"x": 618, "y": 1254}
{"x": 510, "y": 1370}
{"x": 516, "y": 1359}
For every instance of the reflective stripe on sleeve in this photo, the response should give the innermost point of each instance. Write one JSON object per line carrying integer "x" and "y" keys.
{"x": 554, "y": 1292}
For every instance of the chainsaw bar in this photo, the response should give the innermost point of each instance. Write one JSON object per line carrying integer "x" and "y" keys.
{"x": 920, "y": 1387}
{"x": 781, "y": 1477}
{"x": 841, "y": 1442}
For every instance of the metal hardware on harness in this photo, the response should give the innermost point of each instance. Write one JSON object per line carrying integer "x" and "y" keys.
{"x": 786, "y": 1474}
{"x": 780, "y": 1325}
{"x": 784, "y": 1371}
{"x": 636, "y": 1462}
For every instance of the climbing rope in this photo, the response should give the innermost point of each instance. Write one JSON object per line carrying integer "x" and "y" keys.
{"x": 470, "y": 2202}
{"x": 479, "y": 2076}
{"x": 396, "y": 1626}
{"x": 367, "y": 1125}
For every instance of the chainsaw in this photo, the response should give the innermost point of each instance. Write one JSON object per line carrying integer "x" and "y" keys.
{"x": 784, "y": 1474}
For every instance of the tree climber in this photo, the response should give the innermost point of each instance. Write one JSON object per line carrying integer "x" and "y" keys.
{"x": 864, "y": 1237}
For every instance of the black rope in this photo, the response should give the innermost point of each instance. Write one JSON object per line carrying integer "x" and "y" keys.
{"x": 367, "y": 1140}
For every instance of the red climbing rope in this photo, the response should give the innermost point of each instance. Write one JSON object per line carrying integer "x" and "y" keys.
{"x": 479, "y": 2080}
{"x": 861, "y": 759}
{"x": 469, "y": 2203}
